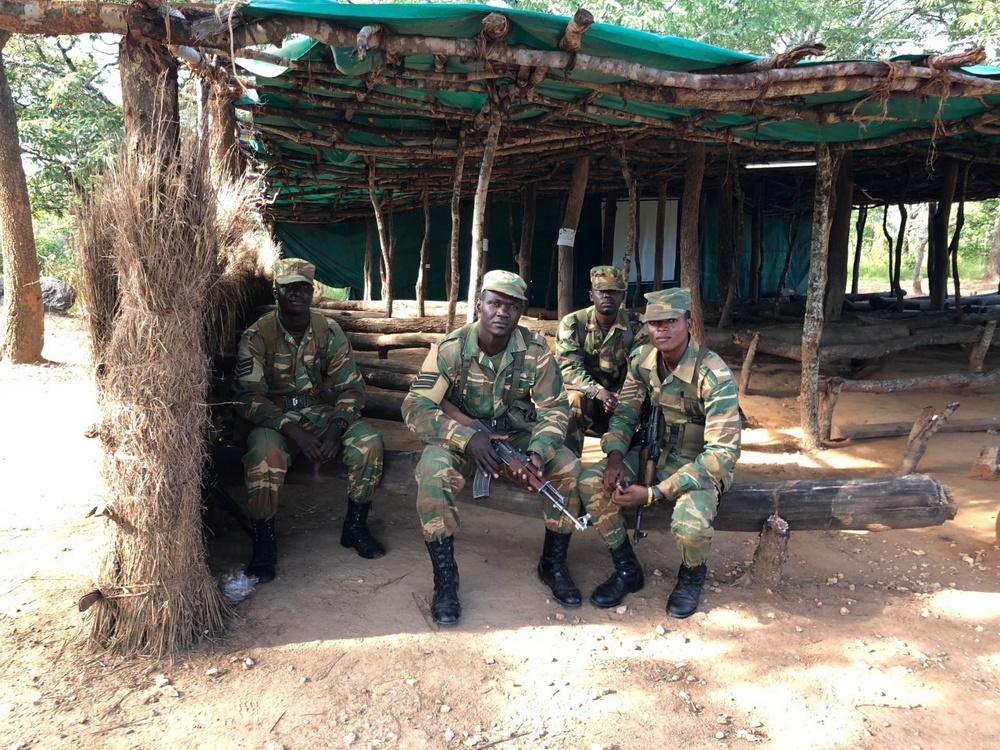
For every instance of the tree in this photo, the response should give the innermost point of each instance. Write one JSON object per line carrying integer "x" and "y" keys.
{"x": 22, "y": 322}
{"x": 68, "y": 125}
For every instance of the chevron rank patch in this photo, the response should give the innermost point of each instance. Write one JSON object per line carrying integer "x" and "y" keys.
{"x": 243, "y": 368}
{"x": 425, "y": 381}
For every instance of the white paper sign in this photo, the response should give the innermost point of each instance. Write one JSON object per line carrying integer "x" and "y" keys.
{"x": 567, "y": 237}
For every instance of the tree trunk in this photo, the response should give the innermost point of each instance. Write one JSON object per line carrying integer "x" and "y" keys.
{"x": 223, "y": 134}
{"x": 694, "y": 174}
{"x": 812, "y": 328}
{"x": 567, "y": 234}
{"x": 937, "y": 253}
{"x": 529, "y": 206}
{"x": 840, "y": 240}
{"x": 386, "y": 243}
{"x": 149, "y": 94}
{"x": 369, "y": 257}
{"x": 22, "y": 321}
{"x": 480, "y": 230}
{"x": 725, "y": 315}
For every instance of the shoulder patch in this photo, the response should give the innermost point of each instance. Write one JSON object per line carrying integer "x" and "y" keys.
{"x": 243, "y": 368}
{"x": 425, "y": 381}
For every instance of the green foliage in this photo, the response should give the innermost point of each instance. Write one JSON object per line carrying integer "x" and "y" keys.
{"x": 66, "y": 123}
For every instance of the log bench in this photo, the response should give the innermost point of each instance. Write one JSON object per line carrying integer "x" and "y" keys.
{"x": 865, "y": 342}
{"x": 858, "y": 504}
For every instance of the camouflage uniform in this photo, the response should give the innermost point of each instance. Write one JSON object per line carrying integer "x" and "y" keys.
{"x": 263, "y": 396}
{"x": 535, "y": 416}
{"x": 599, "y": 360}
{"x": 694, "y": 472}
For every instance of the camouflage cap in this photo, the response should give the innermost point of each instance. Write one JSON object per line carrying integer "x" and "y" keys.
{"x": 666, "y": 304}
{"x": 292, "y": 270}
{"x": 607, "y": 277}
{"x": 505, "y": 282}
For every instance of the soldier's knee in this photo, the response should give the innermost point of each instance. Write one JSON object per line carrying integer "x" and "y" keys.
{"x": 591, "y": 481}
{"x": 691, "y": 534}
{"x": 262, "y": 443}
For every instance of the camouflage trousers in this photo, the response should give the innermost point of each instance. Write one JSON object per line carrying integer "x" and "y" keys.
{"x": 691, "y": 521}
{"x": 269, "y": 454}
{"x": 585, "y": 413}
{"x": 441, "y": 474}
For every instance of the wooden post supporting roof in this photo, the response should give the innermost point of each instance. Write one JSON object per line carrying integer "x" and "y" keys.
{"x": 812, "y": 328}
{"x": 149, "y": 93}
{"x": 529, "y": 205}
{"x": 567, "y": 234}
{"x": 480, "y": 239}
{"x": 694, "y": 174}
{"x": 937, "y": 252}
{"x": 840, "y": 240}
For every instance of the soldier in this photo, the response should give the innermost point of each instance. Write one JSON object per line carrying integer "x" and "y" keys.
{"x": 693, "y": 391}
{"x": 297, "y": 383}
{"x": 492, "y": 369}
{"x": 593, "y": 347}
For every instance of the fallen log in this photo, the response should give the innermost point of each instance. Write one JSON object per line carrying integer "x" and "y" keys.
{"x": 355, "y": 324}
{"x": 868, "y": 504}
{"x": 392, "y": 381}
{"x": 406, "y": 368}
{"x": 896, "y": 429}
{"x": 383, "y": 342}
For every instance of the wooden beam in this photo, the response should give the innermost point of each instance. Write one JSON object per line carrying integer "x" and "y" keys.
{"x": 456, "y": 226}
{"x": 529, "y": 206}
{"x": 480, "y": 232}
{"x": 694, "y": 175}
{"x": 840, "y": 240}
{"x": 897, "y": 429}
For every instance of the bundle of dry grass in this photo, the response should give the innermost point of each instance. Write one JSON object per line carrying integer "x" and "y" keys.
{"x": 154, "y": 216}
{"x": 98, "y": 279}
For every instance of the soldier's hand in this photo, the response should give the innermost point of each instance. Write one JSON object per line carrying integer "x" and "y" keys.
{"x": 614, "y": 474}
{"x": 608, "y": 399}
{"x": 535, "y": 471}
{"x": 309, "y": 444}
{"x": 630, "y": 497}
{"x": 480, "y": 448}
{"x": 332, "y": 441}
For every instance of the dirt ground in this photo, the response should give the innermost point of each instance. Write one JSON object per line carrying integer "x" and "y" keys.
{"x": 875, "y": 640}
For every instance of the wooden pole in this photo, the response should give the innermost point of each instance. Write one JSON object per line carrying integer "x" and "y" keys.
{"x": 223, "y": 133}
{"x": 421, "y": 289}
{"x": 923, "y": 430}
{"x": 859, "y": 235}
{"x": 529, "y": 206}
{"x": 567, "y": 234}
{"x": 725, "y": 315}
{"x": 840, "y": 240}
{"x": 661, "y": 224}
{"x": 149, "y": 93}
{"x": 812, "y": 329}
{"x": 480, "y": 241}
{"x": 631, "y": 232}
{"x": 937, "y": 252}
{"x": 369, "y": 251}
{"x": 385, "y": 242}
{"x": 757, "y": 242}
{"x": 694, "y": 174}
{"x": 608, "y": 241}
{"x": 724, "y": 244}
{"x": 456, "y": 226}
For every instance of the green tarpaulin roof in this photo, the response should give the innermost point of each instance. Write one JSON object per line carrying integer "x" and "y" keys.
{"x": 328, "y": 115}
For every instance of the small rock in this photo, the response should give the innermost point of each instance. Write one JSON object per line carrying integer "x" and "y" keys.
{"x": 411, "y": 682}
{"x": 491, "y": 660}
{"x": 248, "y": 663}
{"x": 472, "y": 741}
{"x": 621, "y": 610}
{"x": 170, "y": 691}
{"x": 657, "y": 572}
{"x": 274, "y": 746}
{"x": 445, "y": 708}
{"x": 349, "y": 739}
{"x": 448, "y": 735}
{"x": 755, "y": 723}
{"x": 213, "y": 672}
{"x": 798, "y": 628}
{"x": 560, "y": 616}
{"x": 161, "y": 680}
{"x": 720, "y": 735}
{"x": 845, "y": 611}
{"x": 660, "y": 630}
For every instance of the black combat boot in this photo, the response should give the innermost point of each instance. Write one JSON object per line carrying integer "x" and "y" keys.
{"x": 445, "y": 607}
{"x": 356, "y": 533}
{"x": 626, "y": 578}
{"x": 553, "y": 572}
{"x": 684, "y": 598}
{"x": 265, "y": 551}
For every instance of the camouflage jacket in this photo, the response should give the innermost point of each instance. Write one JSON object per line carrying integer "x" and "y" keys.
{"x": 703, "y": 408}
{"x": 538, "y": 402}
{"x": 295, "y": 371}
{"x": 599, "y": 360}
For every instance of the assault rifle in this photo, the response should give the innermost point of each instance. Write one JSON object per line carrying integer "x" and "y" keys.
{"x": 517, "y": 462}
{"x": 649, "y": 456}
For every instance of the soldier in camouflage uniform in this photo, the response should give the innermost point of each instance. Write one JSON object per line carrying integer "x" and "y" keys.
{"x": 593, "y": 347}
{"x": 298, "y": 385}
{"x": 693, "y": 392}
{"x": 492, "y": 369}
